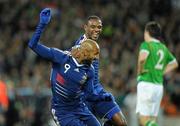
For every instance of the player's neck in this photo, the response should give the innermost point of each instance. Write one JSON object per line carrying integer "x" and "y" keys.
{"x": 77, "y": 58}
{"x": 151, "y": 39}
{"x": 79, "y": 61}
{"x": 85, "y": 36}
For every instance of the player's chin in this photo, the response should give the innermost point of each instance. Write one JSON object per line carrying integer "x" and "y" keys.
{"x": 95, "y": 38}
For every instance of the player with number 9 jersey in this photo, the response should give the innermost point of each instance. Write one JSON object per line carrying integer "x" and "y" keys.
{"x": 71, "y": 78}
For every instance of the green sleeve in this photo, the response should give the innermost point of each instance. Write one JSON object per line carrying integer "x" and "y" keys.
{"x": 170, "y": 57}
{"x": 144, "y": 47}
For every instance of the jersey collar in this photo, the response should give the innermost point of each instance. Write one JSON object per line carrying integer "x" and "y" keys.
{"x": 155, "y": 40}
{"x": 83, "y": 38}
{"x": 77, "y": 64}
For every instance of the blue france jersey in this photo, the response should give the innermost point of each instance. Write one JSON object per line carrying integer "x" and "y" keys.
{"x": 98, "y": 87}
{"x": 69, "y": 80}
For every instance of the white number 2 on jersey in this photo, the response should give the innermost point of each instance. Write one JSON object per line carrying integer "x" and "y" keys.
{"x": 159, "y": 65}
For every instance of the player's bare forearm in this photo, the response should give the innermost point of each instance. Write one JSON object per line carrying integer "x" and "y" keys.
{"x": 170, "y": 67}
{"x": 140, "y": 69}
{"x": 141, "y": 62}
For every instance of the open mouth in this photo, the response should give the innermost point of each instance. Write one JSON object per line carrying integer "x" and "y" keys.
{"x": 95, "y": 35}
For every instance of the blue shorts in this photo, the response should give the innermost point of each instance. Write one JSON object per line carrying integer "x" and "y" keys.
{"x": 104, "y": 109}
{"x": 74, "y": 118}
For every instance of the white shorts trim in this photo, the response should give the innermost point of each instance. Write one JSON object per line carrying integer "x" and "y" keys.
{"x": 149, "y": 97}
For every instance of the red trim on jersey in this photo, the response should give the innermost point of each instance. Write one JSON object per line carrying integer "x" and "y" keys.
{"x": 60, "y": 79}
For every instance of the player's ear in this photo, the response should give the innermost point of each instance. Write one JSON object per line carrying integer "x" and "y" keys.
{"x": 85, "y": 27}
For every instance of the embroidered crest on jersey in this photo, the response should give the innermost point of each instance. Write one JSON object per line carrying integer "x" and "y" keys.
{"x": 84, "y": 78}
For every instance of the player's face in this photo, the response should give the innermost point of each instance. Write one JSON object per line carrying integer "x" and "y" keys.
{"x": 90, "y": 59}
{"x": 93, "y": 29}
{"x": 87, "y": 57}
{"x": 94, "y": 55}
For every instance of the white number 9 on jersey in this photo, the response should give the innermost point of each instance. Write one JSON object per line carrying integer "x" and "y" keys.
{"x": 159, "y": 65}
{"x": 66, "y": 67}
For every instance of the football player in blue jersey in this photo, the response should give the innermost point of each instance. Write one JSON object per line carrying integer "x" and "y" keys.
{"x": 71, "y": 78}
{"x": 103, "y": 109}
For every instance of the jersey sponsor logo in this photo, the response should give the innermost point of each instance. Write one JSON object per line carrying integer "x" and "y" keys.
{"x": 60, "y": 79}
{"x": 76, "y": 69}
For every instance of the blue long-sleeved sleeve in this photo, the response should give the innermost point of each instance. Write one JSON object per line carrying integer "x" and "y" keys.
{"x": 52, "y": 54}
{"x": 36, "y": 36}
{"x": 90, "y": 92}
{"x": 34, "y": 44}
{"x": 92, "y": 95}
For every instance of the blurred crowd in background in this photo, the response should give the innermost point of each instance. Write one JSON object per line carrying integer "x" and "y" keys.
{"x": 26, "y": 76}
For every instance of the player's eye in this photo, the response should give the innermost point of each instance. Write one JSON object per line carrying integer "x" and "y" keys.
{"x": 93, "y": 26}
{"x": 99, "y": 27}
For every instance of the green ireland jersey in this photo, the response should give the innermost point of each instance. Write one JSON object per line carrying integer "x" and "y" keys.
{"x": 158, "y": 58}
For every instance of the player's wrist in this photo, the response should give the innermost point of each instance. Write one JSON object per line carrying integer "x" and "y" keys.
{"x": 40, "y": 28}
{"x": 41, "y": 25}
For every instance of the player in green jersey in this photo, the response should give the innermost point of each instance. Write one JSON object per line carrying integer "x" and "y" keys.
{"x": 154, "y": 61}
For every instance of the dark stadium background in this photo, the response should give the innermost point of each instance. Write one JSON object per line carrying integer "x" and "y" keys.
{"x": 27, "y": 76}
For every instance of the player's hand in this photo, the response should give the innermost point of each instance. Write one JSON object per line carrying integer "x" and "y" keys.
{"x": 99, "y": 97}
{"x": 45, "y": 16}
{"x": 144, "y": 71}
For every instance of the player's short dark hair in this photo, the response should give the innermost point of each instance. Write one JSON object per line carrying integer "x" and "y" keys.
{"x": 92, "y": 17}
{"x": 154, "y": 29}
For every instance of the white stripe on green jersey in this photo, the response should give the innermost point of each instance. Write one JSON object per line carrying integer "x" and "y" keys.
{"x": 158, "y": 58}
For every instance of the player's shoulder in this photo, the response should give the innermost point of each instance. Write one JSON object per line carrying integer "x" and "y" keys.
{"x": 58, "y": 50}
{"x": 163, "y": 45}
{"x": 65, "y": 52}
{"x": 144, "y": 43}
{"x": 80, "y": 39}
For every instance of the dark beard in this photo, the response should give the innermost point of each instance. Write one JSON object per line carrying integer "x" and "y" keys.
{"x": 87, "y": 62}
